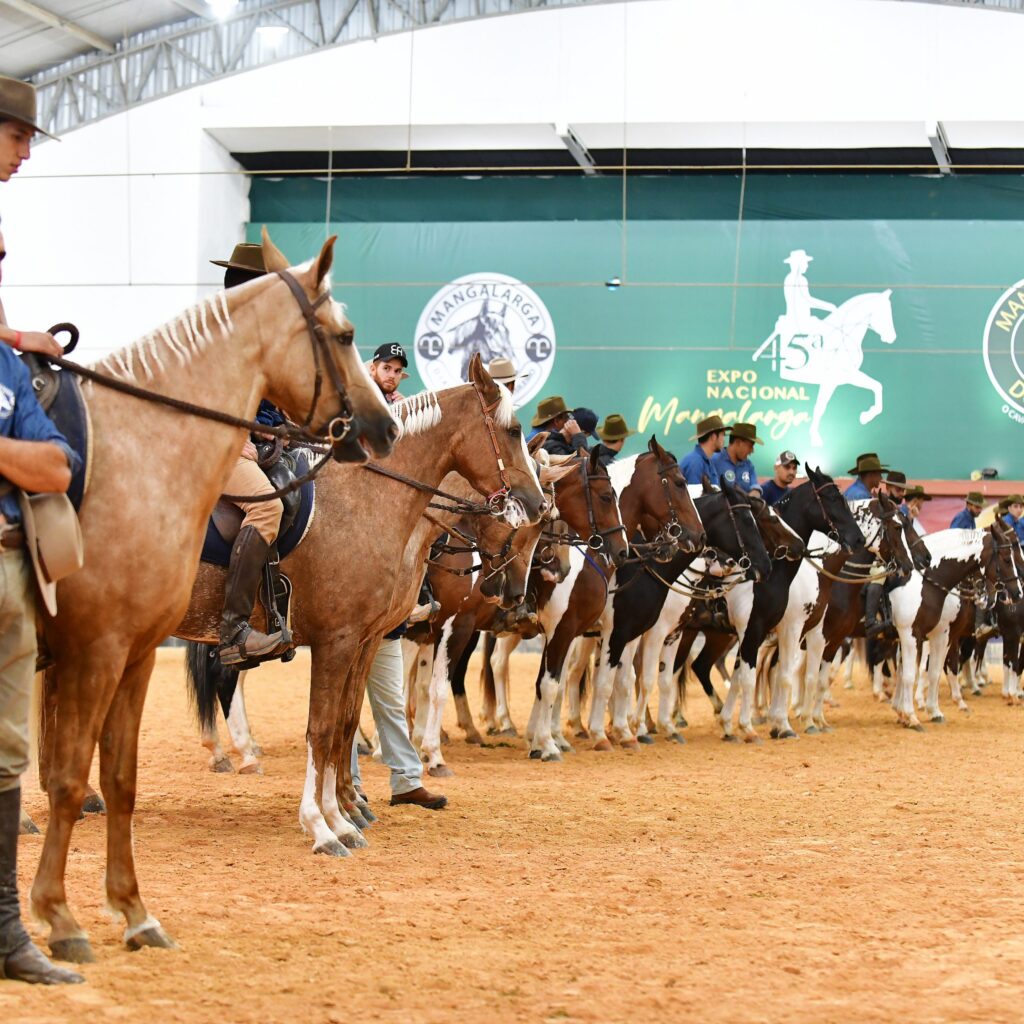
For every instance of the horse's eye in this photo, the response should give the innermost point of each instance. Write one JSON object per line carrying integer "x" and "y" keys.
{"x": 606, "y": 498}
{"x": 515, "y": 432}
{"x": 347, "y": 337}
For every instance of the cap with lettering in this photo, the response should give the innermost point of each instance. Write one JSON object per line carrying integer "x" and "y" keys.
{"x": 390, "y": 350}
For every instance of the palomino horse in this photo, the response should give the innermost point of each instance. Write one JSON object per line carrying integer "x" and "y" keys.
{"x": 156, "y": 476}
{"x": 341, "y": 609}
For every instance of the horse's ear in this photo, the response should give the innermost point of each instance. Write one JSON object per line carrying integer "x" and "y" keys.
{"x": 595, "y": 466}
{"x": 536, "y": 443}
{"x": 552, "y": 474}
{"x": 706, "y": 484}
{"x": 273, "y": 258}
{"x": 656, "y": 448}
{"x": 479, "y": 376}
{"x": 326, "y": 258}
{"x": 887, "y": 293}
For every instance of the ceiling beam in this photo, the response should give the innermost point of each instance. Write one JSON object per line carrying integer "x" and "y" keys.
{"x": 55, "y": 21}
{"x": 196, "y": 7}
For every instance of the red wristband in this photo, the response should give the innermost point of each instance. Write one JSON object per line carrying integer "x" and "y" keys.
{"x": 17, "y": 340}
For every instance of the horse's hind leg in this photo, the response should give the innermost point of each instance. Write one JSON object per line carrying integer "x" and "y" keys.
{"x": 241, "y": 735}
{"x": 119, "y": 754}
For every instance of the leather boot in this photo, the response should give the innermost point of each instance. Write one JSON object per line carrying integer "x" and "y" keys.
{"x": 239, "y": 641}
{"x": 20, "y": 959}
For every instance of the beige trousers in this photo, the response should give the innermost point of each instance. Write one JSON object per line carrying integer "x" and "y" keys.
{"x": 17, "y": 664}
{"x": 248, "y": 478}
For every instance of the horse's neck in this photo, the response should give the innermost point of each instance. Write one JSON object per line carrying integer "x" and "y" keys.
{"x": 795, "y": 515}
{"x": 955, "y": 562}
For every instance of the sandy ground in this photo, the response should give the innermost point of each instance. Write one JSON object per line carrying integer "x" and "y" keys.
{"x": 871, "y": 875}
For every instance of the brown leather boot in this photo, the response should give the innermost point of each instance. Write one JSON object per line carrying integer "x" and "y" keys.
{"x": 20, "y": 960}
{"x": 421, "y": 798}
{"x": 239, "y": 641}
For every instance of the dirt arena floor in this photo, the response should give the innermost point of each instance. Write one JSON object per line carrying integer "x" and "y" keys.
{"x": 867, "y": 875}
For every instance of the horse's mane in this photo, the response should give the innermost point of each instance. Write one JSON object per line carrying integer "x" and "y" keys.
{"x": 418, "y": 413}
{"x": 621, "y": 472}
{"x": 953, "y": 542}
{"x": 183, "y": 337}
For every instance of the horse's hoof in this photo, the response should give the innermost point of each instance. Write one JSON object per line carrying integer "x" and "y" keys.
{"x": 553, "y": 756}
{"x": 357, "y": 819}
{"x": 729, "y": 738}
{"x": 440, "y": 771}
{"x": 629, "y": 744}
{"x": 511, "y": 733}
{"x": 827, "y": 728}
{"x": 646, "y": 739}
{"x": 27, "y": 827}
{"x": 368, "y": 816}
{"x": 752, "y": 737}
{"x": 474, "y": 739}
{"x": 93, "y": 804}
{"x": 788, "y": 734}
{"x": 682, "y": 723}
{"x": 674, "y": 737}
{"x": 774, "y": 733}
{"x": 332, "y": 848}
{"x": 353, "y": 841}
{"x": 252, "y": 768}
{"x": 939, "y": 719}
{"x": 582, "y": 734}
{"x": 75, "y": 951}
{"x": 812, "y": 730}
{"x": 535, "y": 755}
{"x": 155, "y": 937}
{"x": 915, "y": 727}
{"x": 222, "y": 765}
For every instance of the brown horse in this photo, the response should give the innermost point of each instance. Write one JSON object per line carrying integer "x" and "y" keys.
{"x": 156, "y": 476}
{"x": 351, "y": 585}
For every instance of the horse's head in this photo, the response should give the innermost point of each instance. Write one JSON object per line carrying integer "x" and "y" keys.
{"x": 733, "y": 536}
{"x": 919, "y": 553}
{"x": 820, "y": 506}
{"x": 1000, "y": 562}
{"x": 311, "y": 364}
{"x": 891, "y": 545}
{"x": 881, "y": 316}
{"x": 780, "y": 541}
{"x": 587, "y": 502}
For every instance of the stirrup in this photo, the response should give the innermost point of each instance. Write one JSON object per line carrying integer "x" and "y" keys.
{"x": 235, "y": 652}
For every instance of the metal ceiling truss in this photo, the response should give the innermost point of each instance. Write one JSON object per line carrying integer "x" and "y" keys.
{"x": 163, "y": 61}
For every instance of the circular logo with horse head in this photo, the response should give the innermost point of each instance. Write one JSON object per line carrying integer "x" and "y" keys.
{"x": 999, "y": 347}
{"x": 493, "y": 315}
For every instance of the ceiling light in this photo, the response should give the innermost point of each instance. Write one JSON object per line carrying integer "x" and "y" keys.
{"x": 222, "y": 9}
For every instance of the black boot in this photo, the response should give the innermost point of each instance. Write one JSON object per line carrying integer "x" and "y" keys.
{"x": 20, "y": 959}
{"x": 239, "y": 641}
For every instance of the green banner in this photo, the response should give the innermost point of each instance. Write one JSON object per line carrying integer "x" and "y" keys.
{"x": 839, "y": 313}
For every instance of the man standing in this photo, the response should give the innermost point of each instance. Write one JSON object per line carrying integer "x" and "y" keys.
{"x": 786, "y": 466}
{"x": 966, "y": 518}
{"x": 613, "y": 433}
{"x": 868, "y": 471}
{"x": 564, "y": 434}
{"x": 34, "y": 457}
{"x": 387, "y": 368}
{"x": 733, "y": 465}
{"x": 699, "y": 463}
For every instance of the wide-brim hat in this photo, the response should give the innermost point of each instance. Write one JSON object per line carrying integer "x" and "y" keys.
{"x": 548, "y": 409}
{"x": 18, "y": 103}
{"x": 1011, "y": 499}
{"x": 868, "y": 462}
{"x": 614, "y": 428}
{"x": 745, "y": 432}
{"x": 797, "y": 256}
{"x": 503, "y": 371}
{"x": 245, "y": 256}
{"x": 710, "y": 425}
{"x": 53, "y": 537}
{"x": 917, "y": 491}
{"x": 975, "y": 498}
{"x": 894, "y": 476}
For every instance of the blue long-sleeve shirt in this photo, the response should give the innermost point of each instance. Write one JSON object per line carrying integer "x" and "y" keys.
{"x": 22, "y": 418}
{"x": 695, "y": 465}
{"x": 1017, "y": 524}
{"x": 963, "y": 520}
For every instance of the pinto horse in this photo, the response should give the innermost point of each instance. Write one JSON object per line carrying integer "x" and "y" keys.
{"x": 156, "y": 476}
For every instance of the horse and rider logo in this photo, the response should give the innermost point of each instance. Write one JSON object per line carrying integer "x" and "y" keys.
{"x": 493, "y": 315}
{"x": 826, "y": 351}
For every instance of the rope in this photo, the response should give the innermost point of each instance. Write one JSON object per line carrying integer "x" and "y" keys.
{"x": 870, "y": 578}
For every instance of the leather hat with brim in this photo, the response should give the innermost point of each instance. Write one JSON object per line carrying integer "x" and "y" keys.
{"x": 18, "y": 103}
{"x": 614, "y": 428}
{"x": 894, "y": 476}
{"x": 867, "y": 463}
{"x": 975, "y": 498}
{"x": 745, "y": 432}
{"x": 245, "y": 256}
{"x": 710, "y": 425}
{"x": 917, "y": 491}
{"x": 548, "y": 409}
{"x": 53, "y": 537}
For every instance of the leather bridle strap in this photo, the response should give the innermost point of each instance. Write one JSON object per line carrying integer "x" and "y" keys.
{"x": 488, "y": 414}
{"x": 595, "y": 542}
{"x": 459, "y": 505}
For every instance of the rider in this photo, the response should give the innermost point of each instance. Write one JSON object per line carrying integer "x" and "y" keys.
{"x": 387, "y": 369}
{"x": 1013, "y": 507}
{"x": 733, "y": 464}
{"x": 565, "y": 437}
{"x": 913, "y": 503}
{"x": 710, "y": 438}
{"x": 799, "y": 302}
{"x": 35, "y": 456}
{"x": 966, "y": 518}
{"x": 613, "y": 433}
{"x": 262, "y": 522}
{"x": 869, "y": 478}
{"x": 896, "y": 485}
{"x": 775, "y": 489}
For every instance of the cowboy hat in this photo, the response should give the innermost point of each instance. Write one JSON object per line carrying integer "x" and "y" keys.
{"x": 245, "y": 256}
{"x": 709, "y": 425}
{"x": 745, "y": 432}
{"x": 53, "y": 537}
{"x": 614, "y": 428}
{"x": 917, "y": 491}
{"x": 18, "y": 103}
{"x": 975, "y": 498}
{"x": 868, "y": 462}
{"x": 797, "y": 255}
{"x": 1011, "y": 499}
{"x": 894, "y": 476}
{"x": 503, "y": 371}
{"x": 548, "y": 409}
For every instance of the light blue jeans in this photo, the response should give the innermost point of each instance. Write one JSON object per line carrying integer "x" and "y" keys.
{"x": 385, "y": 688}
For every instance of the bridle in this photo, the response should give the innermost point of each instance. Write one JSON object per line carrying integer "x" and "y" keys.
{"x": 497, "y": 561}
{"x": 595, "y": 542}
{"x": 833, "y": 530}
{"x": 783, "y": 552}
{"x": 499, "y": 500}
{"x": 1001, "y": 586}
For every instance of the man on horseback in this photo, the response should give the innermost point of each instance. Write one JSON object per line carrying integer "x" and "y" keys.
{"x": 966, "y": 518}
{"x": 733, "y": 464}
{"x": 710, "y": 438}
{"x": 613, "y": 433}
{"x": 262, "y": 519}
{"x": 565, "y": 437}
{"x": 34, "y": 456}
{"x": 868, "y": 471}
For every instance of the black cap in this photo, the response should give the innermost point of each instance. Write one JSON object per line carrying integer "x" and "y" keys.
{"x": 587, "y": 420}
{"x": 390, "y": 350}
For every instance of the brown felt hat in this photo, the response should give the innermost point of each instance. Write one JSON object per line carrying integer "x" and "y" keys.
{"x": 614, "y": 428}
{"x": 711, "y": 425}
{"x": 917, "y": 491}
{"x": 1011, "y": 499}
{"x": 868, "y": 463}
{"x": 894, "y": 476}
{"x": 548, "y": 409}
{"x": 18, "y": 103}
{"x": 975, "y": 498}
{"x": 245, "y": 256}
{"x": 745, "y": 432}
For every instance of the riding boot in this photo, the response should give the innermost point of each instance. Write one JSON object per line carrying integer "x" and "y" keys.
{"x": 239, "y": 641}
{"x": 872, "y": 603}
{"x": 20, "y": 959}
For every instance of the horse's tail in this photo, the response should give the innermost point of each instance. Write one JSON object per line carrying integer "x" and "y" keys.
{"x": 209, "y": 682}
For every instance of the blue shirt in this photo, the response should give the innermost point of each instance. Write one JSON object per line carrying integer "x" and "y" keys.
{"x": 1017, "y": 524}
{"x": 22, "y": 418}
{"x": 963, "y": 520}
{"x": 857, "y": 491}
{"x": 696, "y": 465}
{"x": 269, "y": 415}
{"x": 739, "y": 474}
{"x": 772, "y": 492}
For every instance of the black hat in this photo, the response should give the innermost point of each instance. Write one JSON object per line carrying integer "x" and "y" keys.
{"x": 390, "y": 350}
{"x": 587, "y": 420}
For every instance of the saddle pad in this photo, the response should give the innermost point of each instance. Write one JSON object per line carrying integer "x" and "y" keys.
{"x": 71, "y": 417}
{"x": 217, "y": 551}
